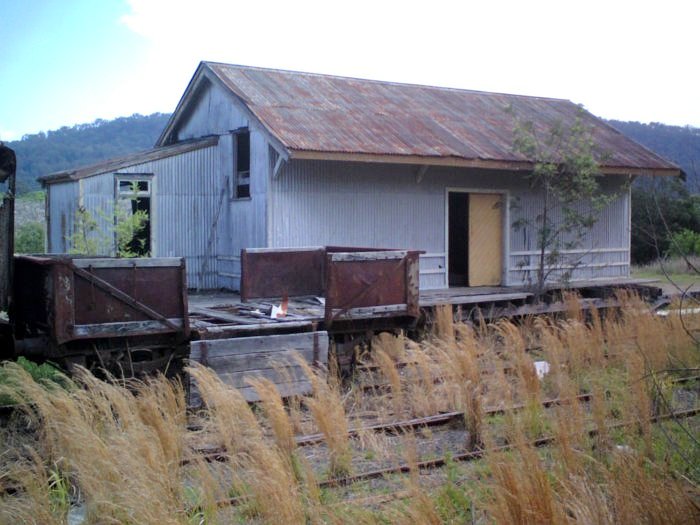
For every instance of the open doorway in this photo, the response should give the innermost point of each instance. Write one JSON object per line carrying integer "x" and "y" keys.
{"x": 458, "y": 238}
{"x": 474, "y": 238}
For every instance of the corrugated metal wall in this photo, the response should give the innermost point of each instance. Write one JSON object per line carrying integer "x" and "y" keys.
{"x": 317, "y": 203}
{"x": 62, "y": 206}
{"x": 184, "y": 201}
{"x": 96, "y": 196}
{"x": 215, "y": 113}
{"x": 245, "y": 219}
{"x": 603, "y": 252}
{"x": 241, "y": 223}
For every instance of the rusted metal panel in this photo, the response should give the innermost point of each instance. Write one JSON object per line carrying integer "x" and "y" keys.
{"x": 280, "y": 272}
{"x": 356, "y": 282}
{"x": 330, "y": 114}
{"x": 8, "y": 167}
{"x": 371, "y": 284}
{"x": 413, "y": 283}
{"x": 68, "y": 301}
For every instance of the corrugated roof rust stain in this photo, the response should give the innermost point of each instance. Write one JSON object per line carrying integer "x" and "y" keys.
{"x": 321, "y": 113}
{"x": 130, "y": 160}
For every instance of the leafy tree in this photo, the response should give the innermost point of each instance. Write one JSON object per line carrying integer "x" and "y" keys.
{"x": 661, "y": 209}
{"x": 29, "y": 238}
{"x": 565, "y": 175}
{"x": 684, "y": 243}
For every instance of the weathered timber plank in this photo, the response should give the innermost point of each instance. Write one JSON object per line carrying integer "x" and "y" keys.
{"x": 224, "y": 316}
{"x": 237, "y": 359}
{"x": 538, "y": 309}
{"x": 471, "y": 299}
{"x": 370, "y": 311}
{"x": 290, "y": 374}
{"x": 248, "y": 345}
{"x": 278, "y": 250}
{"x": 261, "y": 360}
{"x": 299, "y": 388}
{"x": 108, "y": 262}
{"x": 125, "y": 328}
{"x": 367, "y": 256}
{"x": 211, "y": 333}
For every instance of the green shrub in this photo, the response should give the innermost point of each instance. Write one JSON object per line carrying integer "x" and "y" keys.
{"x": 41, "y": 373}
{"x": 684, "y": 243}
{"x": 30, "y": 238}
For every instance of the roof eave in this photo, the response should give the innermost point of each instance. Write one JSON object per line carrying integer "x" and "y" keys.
{"x": 114, "y": 165}
{"x": 460, "y": 162}
{"x": 184, "y": 101}
{"x": 384, "y": 158}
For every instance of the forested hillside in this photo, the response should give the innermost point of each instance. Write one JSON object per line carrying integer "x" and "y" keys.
{"x": 83, "y": 144}
{"x": 679, "y": 144}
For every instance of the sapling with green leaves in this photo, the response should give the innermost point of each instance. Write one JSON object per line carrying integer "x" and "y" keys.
{"x": 104, "y": 233}
{"x": 566, "y": 176}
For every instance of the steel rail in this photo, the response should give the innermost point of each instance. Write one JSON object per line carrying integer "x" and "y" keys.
{"x": 461, "y": 457}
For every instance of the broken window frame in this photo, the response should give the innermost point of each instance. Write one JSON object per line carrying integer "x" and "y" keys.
{"x": 144, "y": 188}
{"x": 239, "y": 188}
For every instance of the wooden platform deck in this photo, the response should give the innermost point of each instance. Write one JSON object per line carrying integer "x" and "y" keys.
{"x": 222, "y": 314}
{"x": 241, "y": 340}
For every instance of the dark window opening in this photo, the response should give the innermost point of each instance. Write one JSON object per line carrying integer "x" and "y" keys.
{"x": 140, "y": 244}
{"x": 458, "y": 238}
{"x": 241, "y": 176}
{"x": 134, "y": 211}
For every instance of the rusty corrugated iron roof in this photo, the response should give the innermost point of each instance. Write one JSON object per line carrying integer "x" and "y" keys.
{"x": 141, "y": 157}
{"x": 322, "y": 116}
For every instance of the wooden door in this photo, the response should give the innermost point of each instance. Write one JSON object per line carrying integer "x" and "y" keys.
{"x": 485, "y": 239}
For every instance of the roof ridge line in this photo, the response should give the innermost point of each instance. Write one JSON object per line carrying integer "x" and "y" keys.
{"x": 385, "y": 82}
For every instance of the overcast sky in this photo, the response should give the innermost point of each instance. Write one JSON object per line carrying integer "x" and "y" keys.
{"x": 64, "y": 62}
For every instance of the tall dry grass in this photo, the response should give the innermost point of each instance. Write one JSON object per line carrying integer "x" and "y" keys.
{"x": 261, "y": 469}
{"x": 327, "y": 409}
{"x": 121, "y": 450}
{"x": 126, "y": 455}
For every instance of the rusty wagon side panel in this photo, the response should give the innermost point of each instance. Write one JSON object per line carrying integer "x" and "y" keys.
{"x": 69, "y": 299}
{"x": 356, "y": 283}
{"x": 8, "y": 167}
{"x": 371, "y": 284}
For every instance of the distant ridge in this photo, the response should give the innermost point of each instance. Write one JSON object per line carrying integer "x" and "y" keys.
{"x": 679, "y": 144}
{"x": 71, "y": 147}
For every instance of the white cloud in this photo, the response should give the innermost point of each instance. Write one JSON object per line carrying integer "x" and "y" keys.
{"x": 623, "y": 59}
{"x": 7, "y": 135}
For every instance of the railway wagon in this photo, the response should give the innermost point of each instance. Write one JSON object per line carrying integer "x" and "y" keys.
{"x": 127, "y": 316}
{"x": 130, "y": 316}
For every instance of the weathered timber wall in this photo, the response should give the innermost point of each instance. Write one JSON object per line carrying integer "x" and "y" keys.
{"x": 272, "y": 357}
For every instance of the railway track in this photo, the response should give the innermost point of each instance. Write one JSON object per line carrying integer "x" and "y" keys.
{"x": 437, "y": 463}
{"x": 404, "y": 426}
{"x": 478, "y": 454}
{"x": 437, "y": 420}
